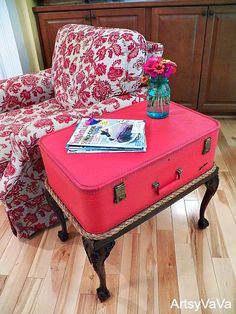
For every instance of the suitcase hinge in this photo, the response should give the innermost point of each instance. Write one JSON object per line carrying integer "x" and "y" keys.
{"x": 206, "y": 146}
{"x": 179, "y": 172}
{"x": 119, "y": 191}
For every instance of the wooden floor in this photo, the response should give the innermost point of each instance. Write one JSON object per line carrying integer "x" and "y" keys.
{"x": 164, "y": 261}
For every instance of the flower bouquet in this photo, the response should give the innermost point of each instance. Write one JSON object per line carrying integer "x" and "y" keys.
{"x": 156, "y": 74}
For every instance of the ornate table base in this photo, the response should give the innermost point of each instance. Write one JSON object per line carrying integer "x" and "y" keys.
{"x": 98, "y": 247}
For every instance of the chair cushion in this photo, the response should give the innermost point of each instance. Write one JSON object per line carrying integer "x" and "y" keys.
{"x": 91, "y": 64}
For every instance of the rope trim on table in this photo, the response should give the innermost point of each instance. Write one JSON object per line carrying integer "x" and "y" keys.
{"x": 129, "y": 221}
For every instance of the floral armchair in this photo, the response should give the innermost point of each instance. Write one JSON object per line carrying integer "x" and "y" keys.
{"x": 94, "y": 70}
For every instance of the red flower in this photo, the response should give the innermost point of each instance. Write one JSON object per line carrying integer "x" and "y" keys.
{"x": 10, "y": 170}
{"x": 16, "y": 128}
{"x": 63, "y": 118}
{"x": 43, "y": 123}
{"x": 30, "y": 218}
{"x": 29, "y": 80}
{"x": 15, "y": 87}
{"x": 80, "y": 77}
{"x": 127, "y": 36}
{"x": 71, "y": 36}
{"x": 89, "y": 57}
{"x": 99, "y": 41}
{"x": 101, "y": 90}
{"x": 65, "y": 80}
{"x": 69, "y": 50}
{"x": 101, "y": 53}
{"x": 100, "y": 69}
{"x": 11, "y": 100}
{"x": 115, "y": 73}
{"x": 72, "y": 68}
{"x": 114, "y": 37}
{"x": 25, "y": 94}
{"x": 66, "y": 63}
{"x": 84, "y": 95}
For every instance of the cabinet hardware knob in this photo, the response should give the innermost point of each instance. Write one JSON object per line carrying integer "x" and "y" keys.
{"x": 204, "y": 13}
{"x": 93, "y": 17}
{"x": 86, "y": 17}
{"x": 210, "y": 12}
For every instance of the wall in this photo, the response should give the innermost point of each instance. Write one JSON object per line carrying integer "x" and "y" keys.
{"x": 26, "y": 36}
{"x": 31, "y": 40}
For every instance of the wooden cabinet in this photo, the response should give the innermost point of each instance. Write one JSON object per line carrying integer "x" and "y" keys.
{"x": 199, "y": 35}
{"x": 217, "y": 92}
{"x": 202, "y": 41}
{"x": 132, "y": 19}
{"x": 182, "y": 30}
{"x": 50, "y": 22}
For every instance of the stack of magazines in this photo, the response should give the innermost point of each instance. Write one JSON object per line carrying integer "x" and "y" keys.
{"x": 108, "y": 135}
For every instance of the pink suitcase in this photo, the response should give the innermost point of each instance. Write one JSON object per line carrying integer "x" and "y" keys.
{"x": 105, "y": 189}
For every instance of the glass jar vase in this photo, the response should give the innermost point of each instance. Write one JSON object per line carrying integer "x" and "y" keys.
{"x": 158, "y": 95}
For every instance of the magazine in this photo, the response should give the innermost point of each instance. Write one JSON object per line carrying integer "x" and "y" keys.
{"x": 107, "y": 135}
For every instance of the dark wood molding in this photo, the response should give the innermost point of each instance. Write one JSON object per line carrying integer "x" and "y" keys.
{"x": 125, "y": 4}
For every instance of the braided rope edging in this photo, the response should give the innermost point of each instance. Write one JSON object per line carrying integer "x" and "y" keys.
{"x": 129, "y": 221}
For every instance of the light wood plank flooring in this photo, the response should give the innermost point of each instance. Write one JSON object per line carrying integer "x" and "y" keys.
{"x": 161, "y": 263}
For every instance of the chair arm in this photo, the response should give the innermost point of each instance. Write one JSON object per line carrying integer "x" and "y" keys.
{"x": 25, "y": 90}
{"x": 154, "y": 49}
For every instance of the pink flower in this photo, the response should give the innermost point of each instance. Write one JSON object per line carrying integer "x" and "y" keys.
{"x": 43, "y": 123}
{"x": 30, "y": 218}
{"x": 100, "y": 69}
{"x": 115, "y": 73}
{"x": 101, "y": 90}
{"x": 63, "y": 118}
{"x": 10, "y": 170}
{"x": 101, "y": 53}
{"x": 72, "y": 68}
{"x": 66, "y": 63}
{"x": 157, "y": 66}
{"x": 25, "y": 94}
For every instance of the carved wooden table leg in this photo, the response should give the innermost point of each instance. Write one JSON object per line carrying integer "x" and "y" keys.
{"x": 211, "y": 186}
{"x": 62, "y": 234}
{"x": 97, "y": 258}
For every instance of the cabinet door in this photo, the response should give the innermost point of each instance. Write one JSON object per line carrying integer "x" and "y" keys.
{"x": 182, "y": 31}
{"x": 123, "y": 18}
{"x": 49, "y": 23}
{"x": 218, "y": 82}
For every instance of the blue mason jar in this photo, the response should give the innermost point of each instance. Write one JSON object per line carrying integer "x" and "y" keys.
{"x": 158, "y": 95}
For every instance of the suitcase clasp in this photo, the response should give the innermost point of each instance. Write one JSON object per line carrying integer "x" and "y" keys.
{"x": 119, "y": 191}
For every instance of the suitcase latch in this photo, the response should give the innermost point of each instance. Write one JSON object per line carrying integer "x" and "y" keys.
{"x": 119, "y": 191}
{"x": 156, "y": 186}
{"x": 206, "y": 146}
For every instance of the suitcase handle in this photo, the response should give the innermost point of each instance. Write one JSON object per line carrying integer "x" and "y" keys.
{"x": 157, "y": 187}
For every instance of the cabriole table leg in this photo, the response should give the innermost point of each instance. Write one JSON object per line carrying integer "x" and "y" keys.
{"x": 211, "y": 186}
{"x": 97, "y": 258}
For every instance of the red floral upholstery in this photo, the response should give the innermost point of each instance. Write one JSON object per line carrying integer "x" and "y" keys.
{"x": 95, "y": 70}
